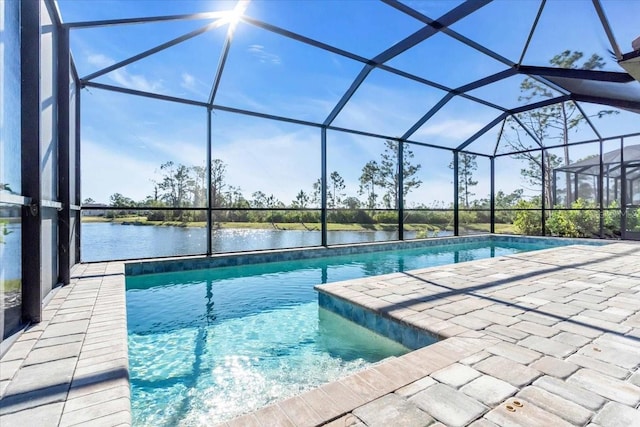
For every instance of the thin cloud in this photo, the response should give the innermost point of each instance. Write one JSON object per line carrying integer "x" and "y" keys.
{"x": 188, "y": 81}
{"x": 386, "y": 109}
{"x": 281, "y": 161}
{"x": 457, "y": 129}
{"x": 191, "y": 84}
{"x": 241, "y": 99}
{"x": 122, "y": 77}
{"x": 192, "y": 147}
{"x": 106, "y": 171}
{"x": 263, "y": 56}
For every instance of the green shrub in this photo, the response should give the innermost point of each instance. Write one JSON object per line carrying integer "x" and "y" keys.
{"x": 560, "y": 224}
{"x": 467, "y": 217}
{"x": 575, "y": 223}
{"x": 386, "y": 217}
{"x": 633, "y": 219}
{"x": 527, "y": 222}
{"x": 416, "y": 218}
{"x": 257, "y": 216}
{"x": 505, "y": 217}
{"x": 156, "y": 216}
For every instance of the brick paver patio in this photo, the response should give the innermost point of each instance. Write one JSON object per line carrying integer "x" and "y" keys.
{"x": 546, "y": 338}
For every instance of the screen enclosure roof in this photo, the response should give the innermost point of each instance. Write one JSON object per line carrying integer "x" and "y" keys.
{"x": 487, "y": 77}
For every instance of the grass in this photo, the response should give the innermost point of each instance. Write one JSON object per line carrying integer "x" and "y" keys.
{"x": 426, "y": 228}
{"x": 10, "y": 285}
{"x": 138, "y": 220}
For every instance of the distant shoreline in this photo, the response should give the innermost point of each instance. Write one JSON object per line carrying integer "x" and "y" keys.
{"x": 293, "y": 226}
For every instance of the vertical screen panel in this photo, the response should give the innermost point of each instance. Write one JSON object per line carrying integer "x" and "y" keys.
{"x": 49, "y": 268}
{"x": 264, "y": 182}
{"x": 10, "y": 97}
{"x": 612, "y": 173}
{"x": 141, "y": 152}
{"x": 74, "y": 199}
{"x": 362, "y": 189}
{"x": 48, "y": 150}
{"x": 428, "y": 208}
{"x": 127, "y": 143}
{"x": 73, "y": 99}
{"x": 74, "y": 227}
{"x": 48, "y": 107}
{"x": 10, "y": 170}
{"x": 518, "y": 186}
{"x": 10, "y": 269}
{"x": 474, "y": 193}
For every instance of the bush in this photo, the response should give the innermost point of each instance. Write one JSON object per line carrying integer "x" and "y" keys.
{"x": 505, "y": 217}
{"x": 528, "y": 222}
{"x": 560, "y": 224}
{"x": 416, "y": 218}
{"x": 236, "y": 216}
{"x": 429, "y": 217}
{"x": 467, "y": 217}
{"x": 156, "y": 216}
{"x": 257, "y": 216}
{"x": 575, "y": 223}
{"x": 386, "y": 217}
{"x": 612, "y": 221}
{"x": 633, "y": 219}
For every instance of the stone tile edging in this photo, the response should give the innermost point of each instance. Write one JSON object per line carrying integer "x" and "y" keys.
{"x": 72, "y": 368}
{"x": 557, "y": 328}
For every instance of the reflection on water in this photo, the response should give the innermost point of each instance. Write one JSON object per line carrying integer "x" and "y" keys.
{"x": 105, "y": 241}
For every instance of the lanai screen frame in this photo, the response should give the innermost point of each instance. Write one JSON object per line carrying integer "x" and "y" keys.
{"x": 543, "y": 75}
{"x": 623, "y": 161}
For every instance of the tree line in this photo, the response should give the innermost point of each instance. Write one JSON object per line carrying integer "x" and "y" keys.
{"x": 182, "y": 186}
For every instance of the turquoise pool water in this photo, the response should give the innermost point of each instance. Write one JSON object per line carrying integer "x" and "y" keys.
{"x": 208, "y": 345}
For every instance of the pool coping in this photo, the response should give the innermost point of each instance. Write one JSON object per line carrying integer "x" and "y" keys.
{"x": 83, "y": 340}
{"x": 234, "y": 259}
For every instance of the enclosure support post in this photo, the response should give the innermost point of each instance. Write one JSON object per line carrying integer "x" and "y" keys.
{"x": 64, "y": 192}
{"x": 323, "y": 184}
{"x": 554, "y": 197}
{"x": 543, "y": 223}
{"x": 623, "y": 192}
{"x": 31, "y": 169}
{"x": 78, "y": 175}
{"x": 575, "y": 188}
{"x": 400, "y": 206}
{"x": 209, "y": 192}
{"x": 456, "y": 204}
{"x": 601, "y": 190}
{"x": 492, "y": 196}
{"x": 607, "y": 199}
{"x": 623, "y": 199}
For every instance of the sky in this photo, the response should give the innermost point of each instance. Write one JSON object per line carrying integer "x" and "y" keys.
{"x": 125, "y": 138}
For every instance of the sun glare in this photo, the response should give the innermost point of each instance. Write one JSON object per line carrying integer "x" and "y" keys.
{"x": 237, "y": 12}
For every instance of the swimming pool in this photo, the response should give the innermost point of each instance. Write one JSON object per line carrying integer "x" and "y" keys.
{"x": 208, "y": 345}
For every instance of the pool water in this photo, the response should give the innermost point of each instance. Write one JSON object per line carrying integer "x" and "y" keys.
{"x": 208, "y": 345}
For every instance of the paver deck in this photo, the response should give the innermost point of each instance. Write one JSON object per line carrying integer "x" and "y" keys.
{"x": 534, "y": 339}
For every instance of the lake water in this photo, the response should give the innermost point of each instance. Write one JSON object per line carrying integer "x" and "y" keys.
{"x": 107, "y": 241}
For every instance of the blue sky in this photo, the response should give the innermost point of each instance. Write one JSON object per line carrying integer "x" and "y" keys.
{"x": 125, "y": 139}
